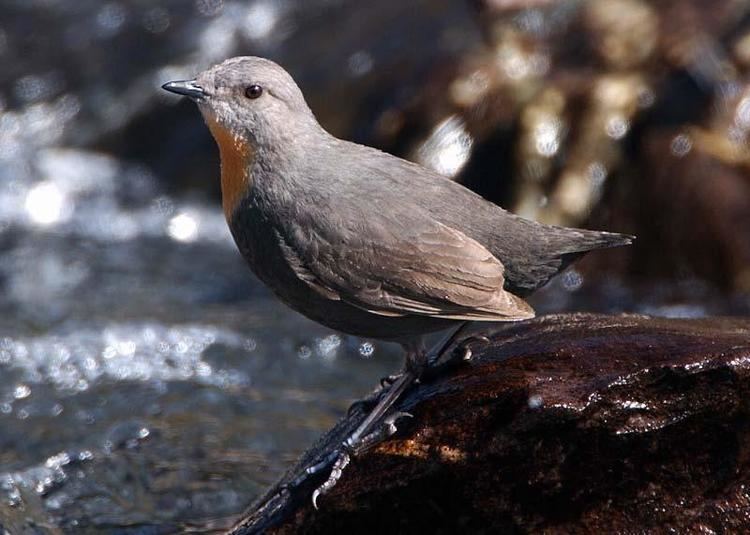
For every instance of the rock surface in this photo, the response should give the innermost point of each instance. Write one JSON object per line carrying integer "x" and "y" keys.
{"x": 566, "y": 423}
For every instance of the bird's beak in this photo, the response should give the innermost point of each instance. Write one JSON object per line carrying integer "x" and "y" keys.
{"x": 187, "y": 88}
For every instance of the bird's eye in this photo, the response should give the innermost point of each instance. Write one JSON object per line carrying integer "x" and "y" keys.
{"x": 253, "y": 91}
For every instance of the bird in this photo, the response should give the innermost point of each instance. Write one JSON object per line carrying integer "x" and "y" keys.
{"x": 362, "y": 241}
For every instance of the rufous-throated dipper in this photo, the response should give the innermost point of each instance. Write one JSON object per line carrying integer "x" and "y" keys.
{"x": 360, "y": 240}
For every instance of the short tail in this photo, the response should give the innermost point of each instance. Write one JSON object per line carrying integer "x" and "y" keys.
{"x": 594, "y": 239}
{"x": 550, "y": 251}
{"x": 590, "y": 240}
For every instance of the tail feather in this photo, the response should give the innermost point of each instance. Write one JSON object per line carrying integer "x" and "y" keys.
{"x": 582, "y": 241}
{"x": 555, "y": 249}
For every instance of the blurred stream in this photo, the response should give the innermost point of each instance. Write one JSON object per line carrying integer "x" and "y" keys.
{"x": 147, "y": 380}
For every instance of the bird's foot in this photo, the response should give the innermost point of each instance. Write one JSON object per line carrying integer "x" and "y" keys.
{"x": 378, "y": 425}
{"x": 353, "y": 446}
{"x": 463, "y": 352}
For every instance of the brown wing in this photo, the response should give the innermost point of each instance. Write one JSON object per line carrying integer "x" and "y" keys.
{"x": 405, "y": 265}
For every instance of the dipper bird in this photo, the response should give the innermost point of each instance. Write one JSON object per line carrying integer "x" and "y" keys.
{"x": 360, "y": 240}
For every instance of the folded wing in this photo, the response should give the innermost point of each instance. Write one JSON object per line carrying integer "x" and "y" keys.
{"x": 401, "y": 264}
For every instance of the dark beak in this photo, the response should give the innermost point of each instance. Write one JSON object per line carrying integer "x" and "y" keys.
{"x": 187, "y": 88}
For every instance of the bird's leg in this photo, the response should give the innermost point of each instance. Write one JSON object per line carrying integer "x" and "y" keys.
{"x": 372, "y": 399}
{"x": 360, "y": 439}
{"x": 378, "y": 424}
{"x": 434, "y": 356}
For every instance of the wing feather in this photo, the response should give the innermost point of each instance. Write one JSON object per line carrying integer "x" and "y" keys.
{"x": 401, "y": 264}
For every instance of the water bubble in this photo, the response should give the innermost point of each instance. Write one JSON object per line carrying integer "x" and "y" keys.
{"x": 742, "y": 115}
{"x": 304, "y": 352}
{"x": 203, "y": 369}
{"x": 360, "y": 63}
{"x": 182, "y": 347}
{"x": 13, "y": 496}
{"x": 22, "y": 391}
{"x": 183, "y": 228}
{"x": 597, "y": 174}
{"x": 532, "y": 21}
{"x": 634, "y": 405}
{"x": 57, "y": 461}
{"x": 110, "y": 19}
{"x": 85, "y": 417}
{"x": 646, "y": 98}
{"x": 126, "y": 347}
{"x": 518, "y": 64}
{"x": 218, "y": 39}
{"x": 36, "y": 87}
{"x": 547, "y": 137}
{"x": 328, "y": 346}
{"x": 535, "y": 402}
{"x": 209, "y": 8}
{"x": 260, "y": 20}
{"x": 448, "y": 147}
{"x": 46, "y": 204}
{"x": 572, "y": 280}
{"x": 681, "y": 145}
{"x": 163, "y": 205}
{"x": 617, "y": 126}
{"x": 366, "y": 349}
{"x": 156, "y": 20}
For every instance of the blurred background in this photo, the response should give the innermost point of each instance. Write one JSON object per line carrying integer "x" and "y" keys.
{"x": 148, "y": 383}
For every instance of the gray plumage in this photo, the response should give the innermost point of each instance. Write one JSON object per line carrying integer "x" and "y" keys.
{"x": 365, "y": 242}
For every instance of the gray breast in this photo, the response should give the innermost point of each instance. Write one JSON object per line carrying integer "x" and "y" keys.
{"x": 255, "y": 236}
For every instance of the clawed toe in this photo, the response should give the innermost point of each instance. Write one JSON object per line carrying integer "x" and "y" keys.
{"x": 464, "y": 352}
{"x": 388, "y": 380}
{"x": 351, "y": 447}
{"x": 389, "y": 424}
{"x": 341, "y": 463}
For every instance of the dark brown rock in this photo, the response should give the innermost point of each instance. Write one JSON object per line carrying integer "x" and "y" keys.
{"x": 567, "y": 423}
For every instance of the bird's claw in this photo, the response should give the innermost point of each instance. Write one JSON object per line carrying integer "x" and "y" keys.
{"x": 342, "y": 460}
{"x": 352, "y": 447}
{"x": 388, "y": 380}
{"x": 464, "y": 350}
{"x": 389, "y": 424}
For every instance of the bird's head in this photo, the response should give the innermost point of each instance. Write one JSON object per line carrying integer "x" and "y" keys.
{"x": 255, "y": 113}
{"x": 251, "y": 100}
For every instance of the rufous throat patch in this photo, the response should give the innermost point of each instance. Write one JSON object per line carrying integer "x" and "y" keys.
{"x": 236, "y": 159}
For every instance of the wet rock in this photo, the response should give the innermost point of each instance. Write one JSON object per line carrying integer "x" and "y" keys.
{"x": 565, "y": 423}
